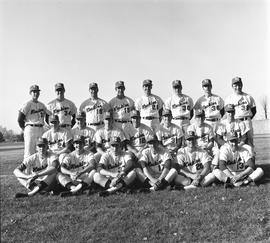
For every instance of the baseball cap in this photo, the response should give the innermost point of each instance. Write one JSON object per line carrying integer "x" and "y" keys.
{"x": 54, "y": 118}
{"x": 34, "y": 88}
{"x": 232, "y": 136}
{"x": 191, "y": 135}
{"x": 59, "y": 86}
{"x": 206, "y": 82}
{"x": 107, "y": 116}
{"x": 42, "y": 141}
{"x": 80, "y": 115}
{"x": 199, "y": 113}
{"x": 151, "y": 139}
{"x": 176, "y": 83}
{"x": 236, "y": 80}
{"x": 79, "y": 139}
{"x": 166, "y": 112}
{"x": 229, "y": 108}
{"x": 119, "y": 84}
{"x": 147, "y": 82}
{"x": 115, "y": 140}
{"x": 135, "y": 113}
{"x": 93, "y": 86}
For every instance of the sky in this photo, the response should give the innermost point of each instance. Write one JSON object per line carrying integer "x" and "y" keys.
{"x": 77, "y": 42}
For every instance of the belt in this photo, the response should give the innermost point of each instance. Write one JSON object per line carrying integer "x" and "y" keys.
{"x": 149, "y": 117}
{"x": 180, "y": 118}
{"x": 244, "y": 118}
{"x": 65, "y": 125}
{"x": 212, "y": 119}
{"x": 35, "y": 125}
{"x": 121, "y": 121}
{"x": 96, "y": 124}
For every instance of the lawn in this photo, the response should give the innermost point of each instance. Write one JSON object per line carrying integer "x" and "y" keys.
{"x": 211, "y": 214}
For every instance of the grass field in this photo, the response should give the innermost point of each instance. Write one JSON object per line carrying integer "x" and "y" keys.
{"x": 203, "y": 215}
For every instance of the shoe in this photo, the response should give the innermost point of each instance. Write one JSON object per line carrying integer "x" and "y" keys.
{"x": 65, "y": 194}
{"x": 144, "y": 190}
{"x": 104, "y": 193}
{"x": 20, "y": 195}
{"x": 177, "y": 188}
{"x": 159, "y": 185}
{"x": 190, "y": 187}
{"x": 75, "y": 189}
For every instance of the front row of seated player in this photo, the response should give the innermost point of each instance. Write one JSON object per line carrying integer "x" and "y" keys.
{"x": 155, "y": 168}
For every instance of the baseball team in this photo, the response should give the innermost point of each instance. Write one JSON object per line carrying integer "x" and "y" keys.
{"x": 137, "y": 146}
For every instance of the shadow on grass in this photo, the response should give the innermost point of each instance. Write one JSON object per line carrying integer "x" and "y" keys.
{"x": 266, "y": 169}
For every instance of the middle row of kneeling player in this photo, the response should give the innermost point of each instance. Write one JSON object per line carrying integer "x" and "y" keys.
{"x": 156, "y": 169}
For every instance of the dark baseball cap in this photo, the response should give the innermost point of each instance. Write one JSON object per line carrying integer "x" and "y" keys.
{"x": 107, "y": 116}
{"x": 232, "y": 136}
{"x": 115, "y": 140}
{"x": 135, "y": 113}
{"x": 236, "y": 80}
{"x": 166, "y": 113}
{"x": 80, "y": 115}
{"x": 229, "y": 108}
{"x": 59, "y": 86}
{"x": 42, "y": 141}
{"x": 54, "y": 118}
{"x": 199, "y": 113}
{"x": 34, "y": 88}
{"x": 119, "y": 84}
{"x": 79, "y": 139}
{"x": 206, "y": 82}
{"x": 177, "y": 83}
{"x": 190, "y": 136}
{"x": 93, "y": 86}
{"x": 147, "y": 82}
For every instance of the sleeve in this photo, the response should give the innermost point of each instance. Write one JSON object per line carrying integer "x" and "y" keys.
{"x": 97, "y": 137}
{"x": 68, "y": 136}
{"x": 179, "y": 133}
{"x": 160, "y": 103}
{"x": 25, "y": 108}
{"x": 243, "y": 128}
{"x": 46, "y": 110}
{"x": 144, "y": 158}
{"x": 252, "y": 102}
{"x": 181, "y": 159}
{"x": 191, "y": 103}
{"x": 220, "y": 130}
{"x": 104, "y": 161}
{"x": 221, "y": 101}
{"x": 167, "y": 104}
{"x": 197, "y": 105}
{"x": 223, "y": 153}
{"x": 66, "y": 162}
{"x": 205, "y": 158}
{"x": 137, "y": 105}
{"x": 106, "y": 106}
{"x": 73, "y": 109}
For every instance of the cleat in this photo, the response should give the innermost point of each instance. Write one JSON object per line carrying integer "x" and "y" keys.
{"x": 20, "y": 195}
{"x": 104, "y": 193}
{"x": 65, "y": 194}
{"x": 144, "y": 190}
{"x": 190, "y": 187}
{"x": 75, "y": 189}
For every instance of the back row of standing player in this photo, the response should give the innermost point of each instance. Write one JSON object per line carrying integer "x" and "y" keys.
{"x": 179, "y": 108}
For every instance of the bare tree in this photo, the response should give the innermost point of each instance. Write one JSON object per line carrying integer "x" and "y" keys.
{"x": 264, "y": 103}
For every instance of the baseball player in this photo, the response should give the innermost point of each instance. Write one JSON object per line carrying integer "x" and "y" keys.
{"x": 192, "y": 168}
{"x": 94, "y": 108}
{"x": 80, "y": 129}
{"x": 150, "y": 107}
{"x": 77, "y": 169}
{"x": 236, "y": 165}
{"x": 170, "y": 135}
{"x": 104, "y": 135}
{"x": 245, "y": 107}
{"x": 59, "y": 139}
{"x": 138, "y": 135}
{"x": 116, "y": 169}
{"x": 181, "y": 106}
{"x": 38, "y": 171}
{"x": 156, "y": 162}
{"x": 63, "y": 108}
{"x": 212, "y": 104}
{"x": 231, "y": 126}
{"x": 121, "y": 106}
{"x": 31, "y": 120}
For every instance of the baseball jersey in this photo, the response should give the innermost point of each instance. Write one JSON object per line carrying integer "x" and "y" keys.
{"x": 139, "y": 135}
{"x": 234, "y": 161}
{"x": 94, "y": 110}
{"x": 64, "y": 109}
{"x": 121, "y": 108}
{"x": 226, "y": 128}
{"x": 75, "y": 161}
{"x": 149, "y": 105}
{"x": 103, "y": 136}
{"x": 211, "y": 105}
{"x": 114, "y": 163}
{"x": 87, "y": 132}
{"x": 37, "y": 163}
{"x": 57, "y": 140}
{"x": 180, "y": 106}
{"x": 155, "y": 159}
{"x": 34, "y": 112}
{"x": 204, "y": 133}
{"x": 242, "y": 104}
{"x": 169, "y": 136}
{"x": 193, "y": 161}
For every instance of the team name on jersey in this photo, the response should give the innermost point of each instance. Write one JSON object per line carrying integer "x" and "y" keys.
{"x": 35, "y": 169}
{"x": 119, "y": 107}
{"x": 155, "y": 163}
{"x": 211, "y": 104}
{"x": 55, "y": 142}
{"x": 95, "y": 106}
{"x": 36, "y": 111}
{"x": 196, "y": 162}
{"x": 62, "y": 108}
{"x": 151, "y": 103}
{"x": 74, "y": 166}
{"x": 181, "y": 103}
